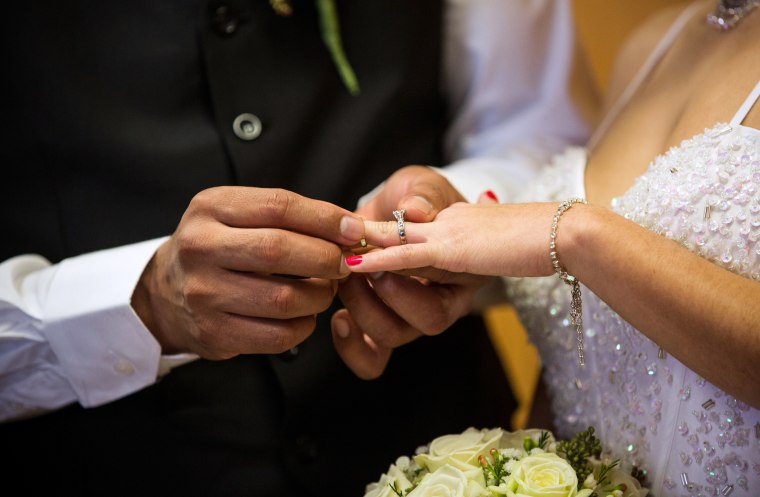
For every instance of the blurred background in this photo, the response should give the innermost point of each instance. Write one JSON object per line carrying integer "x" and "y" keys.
{"x": 602, "y": 26}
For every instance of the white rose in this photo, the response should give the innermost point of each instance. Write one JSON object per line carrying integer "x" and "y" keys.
{"x": 461, "y": 451}
{"x": 449, "y": 481}
{"x": 395, "y": 476}
{"x": 544, "y": 475}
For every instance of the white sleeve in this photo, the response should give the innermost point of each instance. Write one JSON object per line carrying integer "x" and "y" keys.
{"x": 507, "y": 66}
{"x": 69, "y": 334}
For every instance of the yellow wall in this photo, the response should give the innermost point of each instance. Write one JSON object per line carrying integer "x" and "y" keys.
{"x": 602, "y": 26}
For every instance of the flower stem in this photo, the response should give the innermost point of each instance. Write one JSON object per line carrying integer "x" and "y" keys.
{"x": 330, "y": 28}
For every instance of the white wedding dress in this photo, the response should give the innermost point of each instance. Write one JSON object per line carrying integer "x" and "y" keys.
{"x": 649, "y": 410}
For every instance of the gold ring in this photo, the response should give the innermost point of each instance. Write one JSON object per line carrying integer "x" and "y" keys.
{"x": 363, "y": 241}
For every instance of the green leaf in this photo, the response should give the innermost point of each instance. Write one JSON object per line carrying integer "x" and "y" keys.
{"x": 543, "y": 440}
{"x": 395, "y": 489}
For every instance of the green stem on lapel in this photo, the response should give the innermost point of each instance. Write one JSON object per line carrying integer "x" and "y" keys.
{"x": 330, "y": 27}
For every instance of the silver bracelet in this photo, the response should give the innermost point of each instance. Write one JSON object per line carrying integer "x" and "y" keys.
{"x": 576, "y": 307}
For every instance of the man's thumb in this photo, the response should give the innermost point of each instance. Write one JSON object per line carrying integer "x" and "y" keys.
{"x": 418, "y": 208}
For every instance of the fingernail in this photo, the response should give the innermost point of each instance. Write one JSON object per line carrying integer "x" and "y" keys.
{"x": 490, "y": 194}
{"x": 352, "y": 228}
{"x": 341, "y": 328}
{"x": 353, "y": 260}
{"x": 418, "y": 202}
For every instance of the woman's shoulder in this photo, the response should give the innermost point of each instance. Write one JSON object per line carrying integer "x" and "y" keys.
{"x": 638, "y": 46}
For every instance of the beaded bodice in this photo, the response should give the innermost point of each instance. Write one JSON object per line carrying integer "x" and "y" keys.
{"x": 690, "y": 437}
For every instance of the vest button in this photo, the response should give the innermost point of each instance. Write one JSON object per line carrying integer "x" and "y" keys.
{"x": 225, "y": 21}
{"x": 247, "y": 127}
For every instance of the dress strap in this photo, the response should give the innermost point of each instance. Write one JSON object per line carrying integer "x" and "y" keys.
{"x": 746, "y": 106}
{"x": 651, "y": 61}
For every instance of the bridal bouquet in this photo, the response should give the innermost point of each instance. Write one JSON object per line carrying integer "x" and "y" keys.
{"x": 495, "y": 463}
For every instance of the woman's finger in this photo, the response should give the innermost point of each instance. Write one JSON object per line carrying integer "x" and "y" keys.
{"x": 488, "y": 197}
{"x": 409, "y": 256}
{"x": 386, "y": 233}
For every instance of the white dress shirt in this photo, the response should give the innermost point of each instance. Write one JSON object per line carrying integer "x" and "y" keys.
{"x": 68, "y": 332}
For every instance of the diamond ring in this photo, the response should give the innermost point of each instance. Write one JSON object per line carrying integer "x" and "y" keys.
{"x": 399, "y": 215}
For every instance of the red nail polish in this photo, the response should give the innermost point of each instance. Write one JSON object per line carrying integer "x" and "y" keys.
{"x": 490, "y": 194}
{"x": 353, "y": 260}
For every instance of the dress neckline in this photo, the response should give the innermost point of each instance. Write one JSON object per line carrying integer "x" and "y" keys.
{"x": 649, "y": 64}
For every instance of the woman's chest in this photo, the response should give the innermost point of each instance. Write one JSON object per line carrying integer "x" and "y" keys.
{"x": 669, "y": 108}
{"x": 704, "y": 193}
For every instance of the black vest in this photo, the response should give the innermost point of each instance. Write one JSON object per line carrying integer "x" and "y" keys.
{"x": 116, "y": 114}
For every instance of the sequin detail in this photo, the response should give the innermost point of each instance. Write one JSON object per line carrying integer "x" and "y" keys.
{"x": 653, "y": 412}
{"x": 711, "y": 204}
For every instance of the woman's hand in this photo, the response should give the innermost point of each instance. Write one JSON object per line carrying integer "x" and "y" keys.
{"x": 385, "y": 310}
{"x": 661, "y": 288}
{"x": 483, "y": 238}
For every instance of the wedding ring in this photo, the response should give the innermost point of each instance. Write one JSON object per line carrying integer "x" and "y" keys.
{"x": 363, "y": 241}
{"x": 399, "y": 215}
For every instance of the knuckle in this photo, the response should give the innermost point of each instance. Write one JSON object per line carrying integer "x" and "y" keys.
{"x": 206, "y": 201}
{"x": 286, "y": 335}
{"x": 276, "y": 205}
{"x": 279, "y": 341}
{"x": 387, "y": 227}
{"x": 270, "y": 246}
{"x": 190, "y": 244}
{"x": 204, "y": 198}
{"x": 284, "y": 300}
{"x": 194, "y": 297}
{"x": 440, "y": 316}
{"x": 437, "y": 323}
{"x": 327, "y": 260}
{"x": 436, "y": 195}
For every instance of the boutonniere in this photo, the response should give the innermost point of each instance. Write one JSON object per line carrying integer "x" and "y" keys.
{"x": 330, "y": 29}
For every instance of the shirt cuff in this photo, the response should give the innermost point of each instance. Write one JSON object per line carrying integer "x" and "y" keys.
{"x": 104, "y": 349}
{"x": 470, "y": 183}
{"x": 169, "y": 362}
{"x": 504, "y": 176}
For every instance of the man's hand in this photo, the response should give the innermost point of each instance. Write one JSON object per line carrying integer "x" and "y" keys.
{"x": 418, "y": 189}
{"x": 246, "y": 271}
{"x": 386, "y": 310}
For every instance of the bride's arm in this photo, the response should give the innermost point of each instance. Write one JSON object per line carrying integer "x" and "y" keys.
{"x": 705, "y": 316}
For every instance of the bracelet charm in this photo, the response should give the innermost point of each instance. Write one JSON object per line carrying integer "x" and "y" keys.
{"x": 576, "y": 307}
